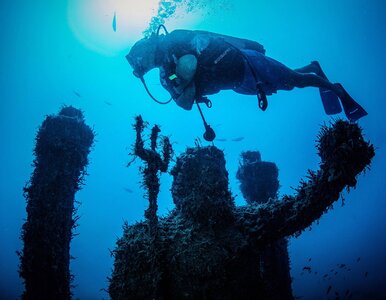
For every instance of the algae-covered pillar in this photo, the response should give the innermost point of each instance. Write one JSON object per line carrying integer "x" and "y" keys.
{"x": 62, "y": 145}
{"x": 259, "y": 183}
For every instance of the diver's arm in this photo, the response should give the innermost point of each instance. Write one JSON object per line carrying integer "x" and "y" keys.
{"x": 185, "y": 70}
{"x": 344, "y": 155}
{"x": 186, "y": 99}
{"x": 179, "y": 81}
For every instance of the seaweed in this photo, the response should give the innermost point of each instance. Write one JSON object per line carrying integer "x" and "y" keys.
{"x": 155, "y": 163}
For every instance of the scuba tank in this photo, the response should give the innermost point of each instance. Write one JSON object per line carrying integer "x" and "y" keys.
{"x": 239, "y": 43}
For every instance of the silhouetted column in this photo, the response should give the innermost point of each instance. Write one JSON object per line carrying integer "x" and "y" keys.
{"x": 62, "y": 145}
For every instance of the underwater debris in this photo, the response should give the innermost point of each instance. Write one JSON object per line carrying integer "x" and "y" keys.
{"x": 63, "y": 143}
{"x": 208, "y": 247}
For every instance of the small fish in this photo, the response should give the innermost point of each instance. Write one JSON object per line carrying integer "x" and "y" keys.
{"x": 358, "y": 259}
{"x": 336, "y": 273}
{"x": 115, "y": 22}
{"x": 108, "y": 103}
{"x": 342, "y": 265}
{"x": 349, "y": 269}
{"x": 221, "y": 140}
{"x": 128, "y": 190}
{"x": 309, "y": 259}
{"x": 238, "y": 139}
{"x": 315, "y": 272}
{"x": 307, "y": 269}
{"x": 347, "y": 292}
{"x": 329, "y": 289}
{"x": 367, "y": 273}
{"x": 325, "y": 275}
{"x": 77, "y": 94}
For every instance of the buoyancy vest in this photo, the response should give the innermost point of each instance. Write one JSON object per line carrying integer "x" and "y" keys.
{"x": 220, "y": 62}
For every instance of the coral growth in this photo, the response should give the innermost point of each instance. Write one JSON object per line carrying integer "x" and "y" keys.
{"x": 209, "y": 249}
{"x": 155, "y": 162}
{"x": 200, "y": 187}
{"x": 143, "y": 242}
{"x": 62, "y": 145}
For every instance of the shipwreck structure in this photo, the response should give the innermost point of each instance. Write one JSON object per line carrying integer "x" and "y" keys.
{"x": 207, "y": 248}
{"x": 61, "y": 153}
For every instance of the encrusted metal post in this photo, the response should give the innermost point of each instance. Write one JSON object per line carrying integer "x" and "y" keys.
{"x": 155, "y": 162}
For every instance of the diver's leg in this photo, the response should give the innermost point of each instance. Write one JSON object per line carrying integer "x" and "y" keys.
{"x": 301, "y": 80}
{"x": 351, "y": 108}
{"x": 313, "y": 67}
{"x": 307, "y": 69}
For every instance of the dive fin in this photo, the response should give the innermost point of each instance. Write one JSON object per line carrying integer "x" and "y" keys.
{"x": 351, "y": 108}
{"x": 330, "y": 101}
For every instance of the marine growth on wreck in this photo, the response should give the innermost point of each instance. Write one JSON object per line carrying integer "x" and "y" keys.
{"x": 209, "y": 248}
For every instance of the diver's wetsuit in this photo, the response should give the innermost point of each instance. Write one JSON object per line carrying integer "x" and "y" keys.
{"x": 223, "y": 62}
{"x": 207, "y": 63}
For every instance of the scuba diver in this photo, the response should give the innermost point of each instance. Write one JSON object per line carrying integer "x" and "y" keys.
{"x": 195, "y": 64}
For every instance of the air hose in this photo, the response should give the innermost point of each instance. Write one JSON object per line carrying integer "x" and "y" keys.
{"x": 151, "y": 96}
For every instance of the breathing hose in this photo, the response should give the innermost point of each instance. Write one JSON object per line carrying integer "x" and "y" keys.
{"x": 151, "y": 96}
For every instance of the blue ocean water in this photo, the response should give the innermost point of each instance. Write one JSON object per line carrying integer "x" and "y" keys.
{"x": 49, "y": 59}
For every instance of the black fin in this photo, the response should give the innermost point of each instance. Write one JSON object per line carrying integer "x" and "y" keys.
{"x": 330, "y": 102}
{"x": 351, "y": 108}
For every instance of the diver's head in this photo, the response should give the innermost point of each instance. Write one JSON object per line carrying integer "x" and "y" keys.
{"x": 142, "y": 56}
